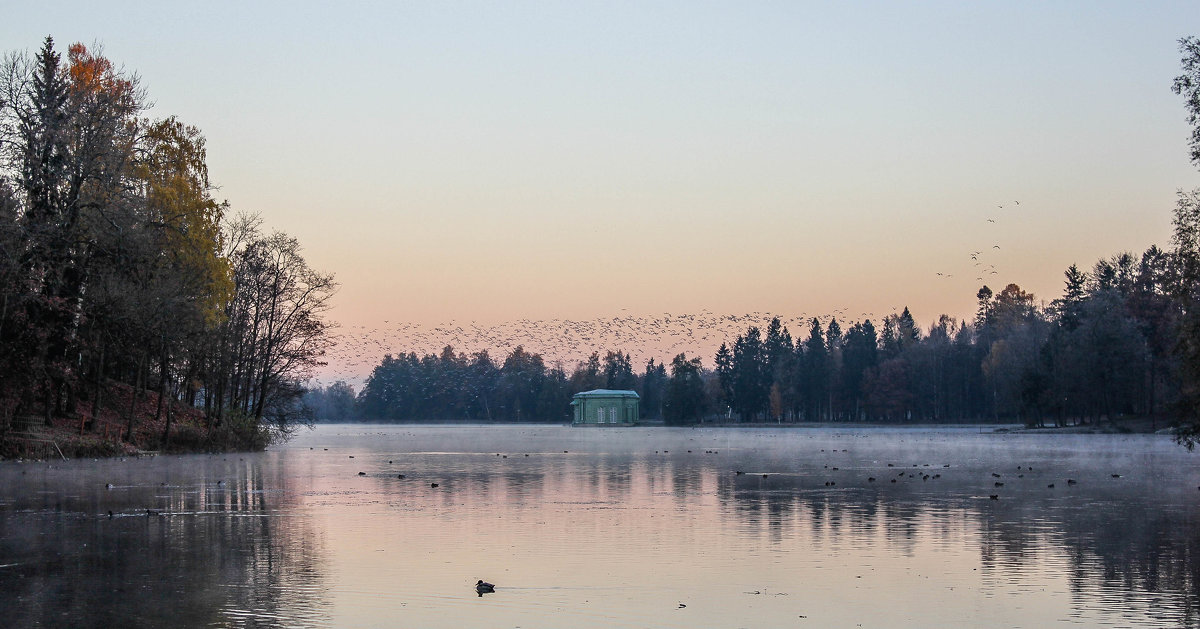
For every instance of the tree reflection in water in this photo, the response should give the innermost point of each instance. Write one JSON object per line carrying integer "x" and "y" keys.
{"x": 622, "y": 521}
{"x": 1128, "y": 544}
{"x": 178, "y": 550}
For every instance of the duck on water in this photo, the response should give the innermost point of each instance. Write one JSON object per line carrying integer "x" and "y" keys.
{"x": 482, "y": 587}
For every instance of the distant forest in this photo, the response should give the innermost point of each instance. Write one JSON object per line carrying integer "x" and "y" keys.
{"x": 1123, "y": 339}
{"x": 1106, "y": 348}
{"x": 122, "y": 278}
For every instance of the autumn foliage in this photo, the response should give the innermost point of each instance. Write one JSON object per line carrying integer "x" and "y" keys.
{"x": 133, "y": 308}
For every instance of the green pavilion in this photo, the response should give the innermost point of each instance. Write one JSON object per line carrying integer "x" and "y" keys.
{"x": 605, "y": 407}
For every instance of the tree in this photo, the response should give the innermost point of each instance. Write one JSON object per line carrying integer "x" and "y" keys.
{"x": 724, "y": 365}
{"x": 833, "y": 348}
{"x": 815, "y": 370}
{"x": 983, "y": 315}
{"x": 522, "y": 377}
{"x": 483, "y": 377}
{"x": 275, "y": 329}
{"x": 1186, "y": 291}
{"x": 554, "y": 398}
{"x": 1187, "y": 85}
{"x": 685, "y": 401}
{"x": 335, "y": 403}
{"x": 653, "y": 389}
{"x": 860, "y": 355}
{"x": 1111, "y": 354}
{"x": 780, "y": 366}
{"x": 191, "y": 282}
{"x": 751, "y": 381}
{"x": 1067, "y": 307}
{"x": 618, "y": 372}
{"x": 588, "y": 375}
{"x": 1014, "y": 372}
{"x": 69, "y": 130}
{"x": 116, "y": 265}
{"x": 889, "y": 395}
{"x": 1157, "y": 317}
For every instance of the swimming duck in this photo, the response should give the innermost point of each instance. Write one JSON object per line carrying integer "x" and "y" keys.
{"x": 482, "y": 587}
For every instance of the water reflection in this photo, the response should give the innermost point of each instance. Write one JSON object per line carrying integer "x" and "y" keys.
{"x": 191, "y": 541}
{"x": 617, "y": 527}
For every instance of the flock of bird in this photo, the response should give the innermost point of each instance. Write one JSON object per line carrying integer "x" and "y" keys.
{"x": 562, "y": 342}
{"x": 565, "y": 342}
{"x": 981, "y": 269}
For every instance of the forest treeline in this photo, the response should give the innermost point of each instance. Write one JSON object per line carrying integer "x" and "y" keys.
{"x": 1123, "y": 339}
{"x": 120, "y": 273}
{"x": 1107, "y": 348}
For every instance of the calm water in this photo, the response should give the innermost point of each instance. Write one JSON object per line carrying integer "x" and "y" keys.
{"x": 612, "y": 528}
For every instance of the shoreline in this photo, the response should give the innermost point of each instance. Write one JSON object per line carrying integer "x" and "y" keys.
{"x": 31, "y": 440}
{"x": 107, "y": 434}
{"x": 1125, "y": 426}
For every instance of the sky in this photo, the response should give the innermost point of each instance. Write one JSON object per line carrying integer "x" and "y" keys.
{"x": 497, "y": 162}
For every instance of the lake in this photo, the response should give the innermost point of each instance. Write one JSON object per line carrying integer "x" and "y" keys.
{"x": 613, "y": 527}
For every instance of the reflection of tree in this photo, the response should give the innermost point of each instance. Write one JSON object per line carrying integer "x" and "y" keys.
{"x": 1122, "y": 544}
{"x": 1140, "y": 548}
{"x": 216, "y": 556}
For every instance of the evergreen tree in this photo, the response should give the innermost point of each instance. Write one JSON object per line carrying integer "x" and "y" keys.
{"x": 907, "y": 330}
{"x": 685, "y": 401}
{"x": 780, "y": 356}
{"x": 1067, "y": 307}
{"x": 588, "y": 375}
{"x": 860, "y": 355}
{"x": 816, "y": 372}
{"x": 833, "y": 347}
{"x": 652, "y": 390}
{"x": 724, "y": 365}
{"x": 618, "y": 372}
{"x": 983, "y": 315}
{"x": 751, "y": 380}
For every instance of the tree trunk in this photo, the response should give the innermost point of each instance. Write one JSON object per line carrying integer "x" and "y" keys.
{"x": 138, "y": 385}
{"x": 163, "y": 377}
{"x": 166, "y": 437}
{"x": 97, "y": 400}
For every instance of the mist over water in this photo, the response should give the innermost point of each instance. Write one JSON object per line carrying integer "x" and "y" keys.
{"x": 625, "y": 527}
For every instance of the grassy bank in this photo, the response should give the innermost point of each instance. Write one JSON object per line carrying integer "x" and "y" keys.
{"x": 125, "y": 423}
